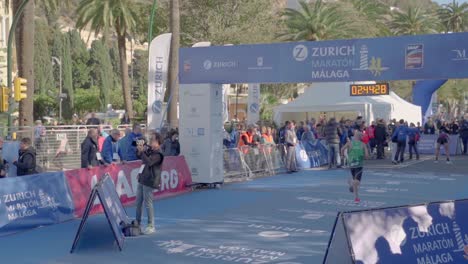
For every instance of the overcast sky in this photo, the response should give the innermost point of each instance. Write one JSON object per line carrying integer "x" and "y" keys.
{"x": 448, "y": 1}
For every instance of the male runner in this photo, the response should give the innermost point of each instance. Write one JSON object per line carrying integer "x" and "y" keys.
{"x": 357, "y": 151}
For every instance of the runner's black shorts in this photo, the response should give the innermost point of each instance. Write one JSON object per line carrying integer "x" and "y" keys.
{"x": 357, "y": 173}
{"x": 442, "y": 141}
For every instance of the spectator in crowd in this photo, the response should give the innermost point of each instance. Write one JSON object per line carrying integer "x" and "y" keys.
{"x": 244, "y": 138}
{"x": 123, "y": 146}
{"x": 39, "y": 133}
{"x": 93, "y": 120}
{"x": 171, "y": 145}
{"x": 256, "y": 137}
{"x": 371, "y": 132}
{"x": 110, "y": 148}
{"x": 291, "y": 141}
{"x": 102, "y": 137}
{"x": 429, "y": 127}
{"x": 419, "y": 127}
{"x": 90, "y": 157}
{"x": 464, "y": 133}
{"x": 26, "y": 163}
{"x": 332, "y": 135}
{"x": 3, "y": 166}
{"x": 453, "y": 127}
{"x": 308, "y": 136}
{"x": 267, "y": 136}
{"x": 380, "y": 138}
{"x": 229, "y": 140}
{"x": 149, "y": 179}
{"x": 125, "y": 120}
{"x": 443, "y": 140}
{"x": 300, "y": 130}
{"x": 129, "y": 150}
{"x": 282, "y": 133}
{"x": 274, "y": 133}
{"x": 344, "y": 133}
{"x": 400, "y": 135}
{"x": 413, "y": 138}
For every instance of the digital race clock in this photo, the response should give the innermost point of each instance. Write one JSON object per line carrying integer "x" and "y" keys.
{"x": 369, "y": 89}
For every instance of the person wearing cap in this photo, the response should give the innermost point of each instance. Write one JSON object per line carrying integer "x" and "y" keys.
{"x": 291, "y": 141}
{"x": 110, "y": 148}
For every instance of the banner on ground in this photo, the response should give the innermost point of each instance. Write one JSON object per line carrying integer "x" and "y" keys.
{"x": 253, "y": 111}
{"x": 429, "y": 233}
{"x": 175, "y": 177}
{"x": 317, "y": 152}
{"x": 159, "y": 52}
{"x": 302, "y": 159}
{"x": 32, "y": 201}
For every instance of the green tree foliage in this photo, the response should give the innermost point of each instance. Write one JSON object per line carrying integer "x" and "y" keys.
{"x": 80, "y": 58}
{"x": 44, "y": 104}
{"x": 454, "y": 16}
{"x": 227, "y": 22}
{"x": 67, "y": 78}
{"x": 317, "y": 21}
{"x": 43, "y": 75}
{"x": 102, "y": 15}
{"x": 140, "y": 79}
{"x": 87, "y": 100}
{"x": 414, "y": 21}
{"x": 100, "y": 63}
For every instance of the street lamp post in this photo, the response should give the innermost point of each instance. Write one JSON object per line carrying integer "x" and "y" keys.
{"x": 56, "y": 60}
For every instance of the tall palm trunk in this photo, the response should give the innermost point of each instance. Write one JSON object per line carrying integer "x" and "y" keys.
{"x": 24, "y": 37}
{"x": 124, "y": 75}
{"x": 174, "y": 64}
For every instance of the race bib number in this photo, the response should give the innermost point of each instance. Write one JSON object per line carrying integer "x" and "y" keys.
{"x": 98, "y": 156}
{"x": 142, "y": 167}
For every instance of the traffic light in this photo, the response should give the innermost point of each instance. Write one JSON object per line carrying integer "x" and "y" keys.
{"x": 135, "y": 92}
{"x": 20, "y": 88}
{"x": 4, "y": 99}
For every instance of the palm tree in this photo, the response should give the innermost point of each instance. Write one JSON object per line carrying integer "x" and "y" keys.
{"x": 316, "y": 22}
{"x": 174, "y": 63}
{"x": 413, "y": 22}
{"x": 101, "y": 15}
{"x": 454, "y": 16}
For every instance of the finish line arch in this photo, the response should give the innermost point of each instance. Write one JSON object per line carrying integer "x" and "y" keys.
{"x": 202, "y": 70}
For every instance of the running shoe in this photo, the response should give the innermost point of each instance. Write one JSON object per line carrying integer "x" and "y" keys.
{"x": 357, "y": 200}
{"x": 149, "y": 230}
{"x": 449, "y": 162}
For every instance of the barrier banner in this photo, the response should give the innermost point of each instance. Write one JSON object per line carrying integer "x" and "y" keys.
{"x": 427, "y": 144}
{"x": 429, "y": 233}
{"x": 317, "y": 152}
{"x": 302, "y": 159}
{"x": 10, "y": 154}
{"x": 31, "y": 201}
{"x": 175, "y": 176}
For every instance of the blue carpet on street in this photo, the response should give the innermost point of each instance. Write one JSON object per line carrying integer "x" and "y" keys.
{"x": 281, "y": 219}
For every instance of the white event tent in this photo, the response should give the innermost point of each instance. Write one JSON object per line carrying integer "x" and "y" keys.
{"x": 334, "y": 99}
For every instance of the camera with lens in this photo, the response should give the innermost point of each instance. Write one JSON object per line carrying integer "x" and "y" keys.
{"x": 139, "y": 142}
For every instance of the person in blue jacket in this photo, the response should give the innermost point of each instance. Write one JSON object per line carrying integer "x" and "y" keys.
{"x": 110, "y": 149}
{"x": 400, "y": 134}
{"x": 129, "y": 150}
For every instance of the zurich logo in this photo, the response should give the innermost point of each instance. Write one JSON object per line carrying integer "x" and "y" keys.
{"x": 254, "y": 108}
{"x": 300, "y": 52}
{"x": 157, "y": 107}
{"x": 207, "y": 65}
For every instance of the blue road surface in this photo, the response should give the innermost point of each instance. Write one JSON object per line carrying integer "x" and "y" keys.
{"x": 281, "y": 219}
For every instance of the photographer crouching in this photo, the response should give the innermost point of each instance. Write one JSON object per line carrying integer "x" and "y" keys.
{"x": 149, "y": 178}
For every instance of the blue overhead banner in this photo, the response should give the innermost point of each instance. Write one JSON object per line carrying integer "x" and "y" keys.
{"x": 32, "y": 201}
{"x": 441, "y": 56}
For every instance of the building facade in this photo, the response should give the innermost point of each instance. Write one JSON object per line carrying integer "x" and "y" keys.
{"x": 6, "y": 17}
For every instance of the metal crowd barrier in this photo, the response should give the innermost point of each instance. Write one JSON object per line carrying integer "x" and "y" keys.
{"x": 249, "y": 162}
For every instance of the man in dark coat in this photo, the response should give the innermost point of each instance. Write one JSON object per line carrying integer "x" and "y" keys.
{"x": 380, "y": 137}
{"x": 89, "y": 150}
{"x": 26, "y": 163}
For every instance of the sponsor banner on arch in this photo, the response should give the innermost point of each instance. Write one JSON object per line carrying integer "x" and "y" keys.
{"x": 175, "y": 177}
{"x": 440, "y": 56}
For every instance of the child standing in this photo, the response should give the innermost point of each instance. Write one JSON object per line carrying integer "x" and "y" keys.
{"x": 357, "y": 151}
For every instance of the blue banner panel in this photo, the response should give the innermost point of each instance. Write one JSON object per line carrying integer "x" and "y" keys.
{"x": 441, "y": 56}
{"x": 427, "y": 145}
{"x": 10, "y": 154}
{"x": 423, "y": 234}
{"x": 32, "y": 201}
{"x": 302, "y": 159}
{"x": 317, "y": 152}
{"x": 113, "y": 208}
